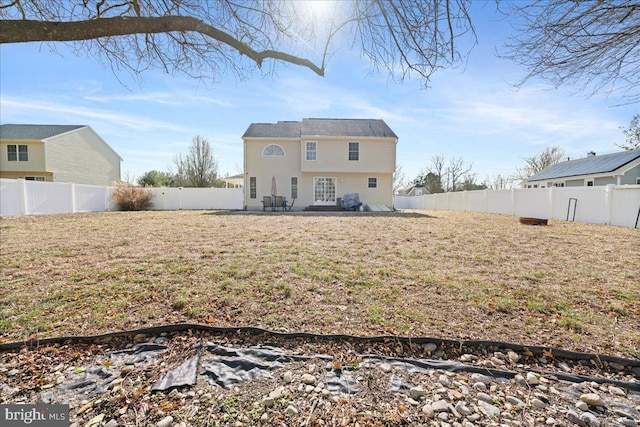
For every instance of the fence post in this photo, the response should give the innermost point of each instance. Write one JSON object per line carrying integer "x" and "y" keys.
{"x": 609, "y": 201}
{"x": 513, "y": 202}
{"x": 72, "y": 197}
{"x": 551, "y": 190}
{"x": 486, "y": 200}
{"x": 23, "y": 197}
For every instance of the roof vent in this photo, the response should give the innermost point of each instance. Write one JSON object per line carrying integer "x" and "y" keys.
{"x": 591, "y": 154}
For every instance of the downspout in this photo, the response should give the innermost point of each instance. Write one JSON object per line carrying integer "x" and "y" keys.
{"x": 245, "y": 188}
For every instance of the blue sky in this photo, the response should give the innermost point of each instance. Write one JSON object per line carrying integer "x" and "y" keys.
{"x": 472, "y": 111}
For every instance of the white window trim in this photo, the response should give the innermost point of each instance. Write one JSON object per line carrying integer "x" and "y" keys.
{"x": 276, "y": 146}
{"x": 356, "y": 151}
{"x": 307, "y": 151}
{"x": 18, "y": 152}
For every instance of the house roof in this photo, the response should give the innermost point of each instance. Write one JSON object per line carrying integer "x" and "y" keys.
{"x": 587, "y": 166}
{"x": 321, "y": 127}
{"x": 37, "y": 132}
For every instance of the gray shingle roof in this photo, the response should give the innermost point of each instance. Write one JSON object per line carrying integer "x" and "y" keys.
{"x": 273, "y": 130}
{"x": 321, "y": 127}
{"x": 37, "y": 132}
{"x": 587, "y": 166}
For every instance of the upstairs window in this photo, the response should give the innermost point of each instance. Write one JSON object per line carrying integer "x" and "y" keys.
{"x": 354, "y": 151}
{"x": 311, "y": 151}
{"x": 17, "y": 153}
{"x": 273, "y": 150}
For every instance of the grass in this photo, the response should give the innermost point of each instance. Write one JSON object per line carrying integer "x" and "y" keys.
{"x": 446, "y": 274}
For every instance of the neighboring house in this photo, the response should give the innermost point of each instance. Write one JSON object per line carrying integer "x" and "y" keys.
{"x": 412, "y": 190}
{"x": 317, "y": 161}
{"x": 57, "y": 153}
{"x": 235, "y": 181}
{"x": 621, "y": 168}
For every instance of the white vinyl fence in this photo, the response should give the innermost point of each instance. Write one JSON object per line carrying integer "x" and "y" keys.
{"x": 611, "y": 204}
{"x": 20, "y": 197}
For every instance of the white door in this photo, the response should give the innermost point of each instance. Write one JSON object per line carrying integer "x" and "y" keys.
{"x": 324, "y": 191}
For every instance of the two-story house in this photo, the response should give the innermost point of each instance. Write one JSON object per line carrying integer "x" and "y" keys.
{"x": 316, "y": 161}
{"x": 57, "y": 153}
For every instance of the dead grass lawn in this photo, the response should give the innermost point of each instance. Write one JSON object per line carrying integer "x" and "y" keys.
{"x": 445, "y": 274}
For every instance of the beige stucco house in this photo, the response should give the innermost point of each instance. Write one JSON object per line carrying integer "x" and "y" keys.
{"x": 316, "y": 161}
{"x": 57, "y": 153}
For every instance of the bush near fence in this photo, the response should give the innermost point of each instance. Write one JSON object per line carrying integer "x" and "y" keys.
{"x": 20, "y": 197}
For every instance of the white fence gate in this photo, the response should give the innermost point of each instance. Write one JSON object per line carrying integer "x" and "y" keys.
{"x": 21, "y": 197}
{"x": 611, "y": 204}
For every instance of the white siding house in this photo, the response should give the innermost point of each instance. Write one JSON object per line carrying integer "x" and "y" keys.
{"x": 57, "y": 153}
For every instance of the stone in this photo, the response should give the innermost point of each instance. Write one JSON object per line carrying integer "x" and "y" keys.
{"x": 430, "y": 347}
{"x": 440, "y": 406}
{"x": 628, "y": 422}
{"x": 444, "y": 416}
{"x": 590, "y": 419}
{"x": 444, "y": 380}
{"x": 412, "y": 402}
{"x": 111, "y": 423}
{"x": 616, "y": 391}
{"x": 467, "y": 358}
{"x": 489, "y": 409}
{"x": 287, "y": 377}
{"x": 485, "y": 397}
{"x": 480, "y": 378}
{"x": 308, "y": 379}
{"x": 268, "y": 402}
{"x": 46, "y": 397}
{"x": 165, "y": 422}
{"x": 291, "y": 410}
{"x": 592, "y": 399}
{"x": 479, "y": 386}
{"x": 513, "y": 356}
{"x": 563, "y": 366}
{"x": 385, "y": 367}
{"x": 575, "y": 419}
{"x": 417, "y": 392}
{"x": 582, "y": 406}
{"x": 462, "y": 409}
{"x": 428, "y": 411}
{"x": 516, "y": 402}
{"x": 277, "y": 393}
{"x": 537, "y": 403}
{"x": 532, "y": 378}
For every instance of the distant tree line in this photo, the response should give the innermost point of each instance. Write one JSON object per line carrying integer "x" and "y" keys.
{"x": 197, "y": 168}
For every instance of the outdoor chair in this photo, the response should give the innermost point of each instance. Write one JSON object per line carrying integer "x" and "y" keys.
{"x": 267, "y": 202}
{"x": 279, "y": 203}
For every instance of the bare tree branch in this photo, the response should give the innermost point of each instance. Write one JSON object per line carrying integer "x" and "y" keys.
{"x": 205, "y": 39}
{"x": 591, "y": 45}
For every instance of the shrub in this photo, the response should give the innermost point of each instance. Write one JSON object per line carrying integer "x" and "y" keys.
{"x": 128, "y": 197}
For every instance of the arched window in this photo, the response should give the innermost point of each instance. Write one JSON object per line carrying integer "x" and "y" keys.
{"x": 273, "y": 150}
